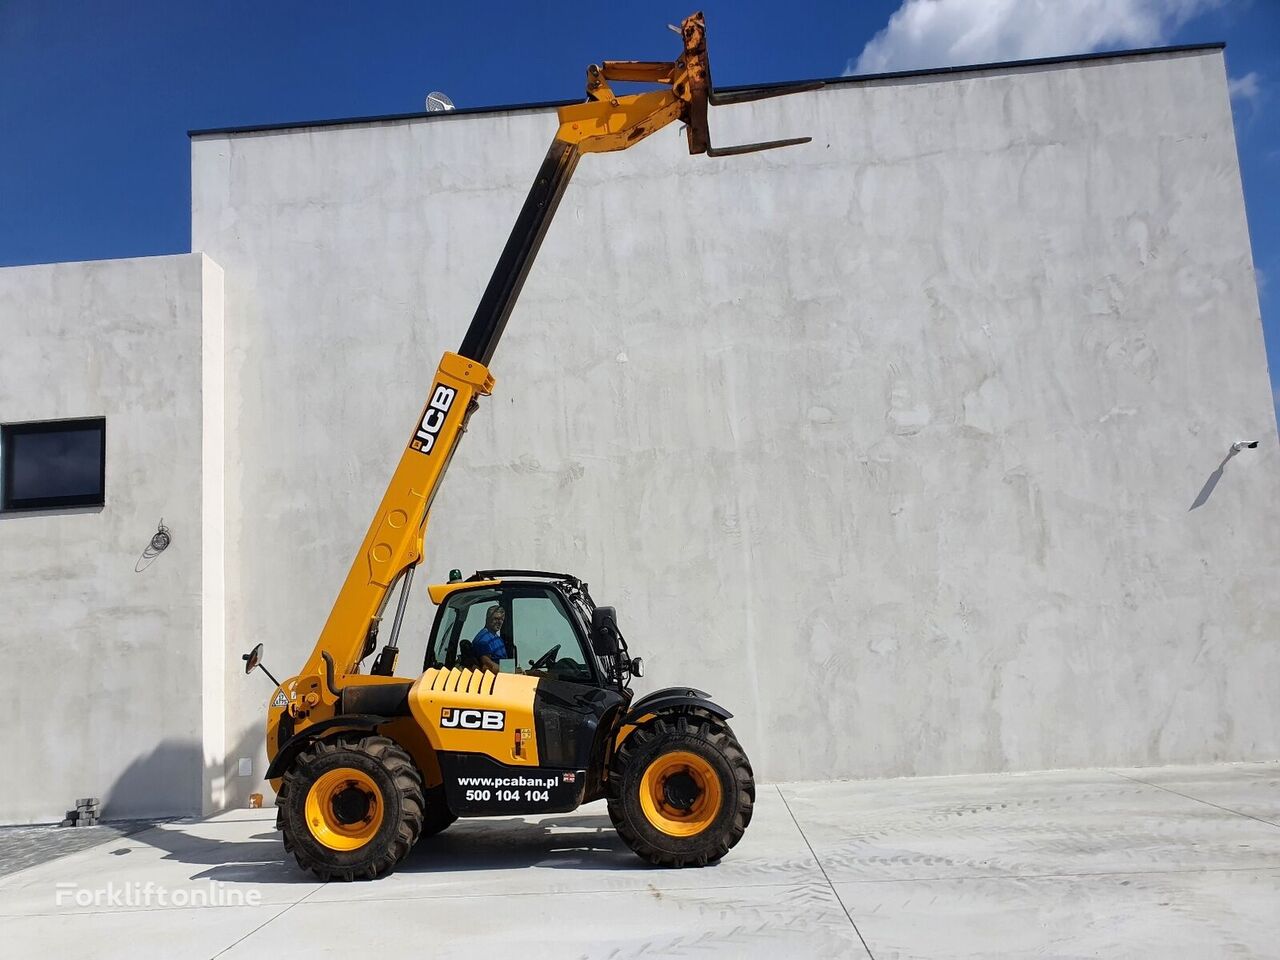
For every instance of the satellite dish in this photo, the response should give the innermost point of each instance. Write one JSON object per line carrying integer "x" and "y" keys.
{"x": 437, "y": 102}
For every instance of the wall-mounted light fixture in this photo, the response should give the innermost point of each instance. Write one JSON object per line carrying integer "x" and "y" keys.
{"x": 160, "y": 541}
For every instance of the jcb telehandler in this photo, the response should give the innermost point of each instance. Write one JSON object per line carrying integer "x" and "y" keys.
{"x": 366, "y": 764}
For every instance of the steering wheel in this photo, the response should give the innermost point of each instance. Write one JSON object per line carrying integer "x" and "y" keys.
{"x": 544, "y": 661}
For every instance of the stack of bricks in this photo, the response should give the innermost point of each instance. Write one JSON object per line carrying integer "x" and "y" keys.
{"x": 84, "y": 815}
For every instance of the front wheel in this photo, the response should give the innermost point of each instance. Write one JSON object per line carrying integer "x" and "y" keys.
{"x": 681, "y": 791}
{"x": 351, "y": 807}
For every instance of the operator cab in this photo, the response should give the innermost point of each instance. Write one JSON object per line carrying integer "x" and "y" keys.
{"x": 548, "y": 630}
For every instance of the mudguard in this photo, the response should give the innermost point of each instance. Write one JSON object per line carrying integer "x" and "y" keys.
{"x": 674, "y": 697}
{"x": 297, "y": 743}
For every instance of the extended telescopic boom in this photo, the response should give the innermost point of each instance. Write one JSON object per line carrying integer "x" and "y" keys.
{"x": 605, "y": 122}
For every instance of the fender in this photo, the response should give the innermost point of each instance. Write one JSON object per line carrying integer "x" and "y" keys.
{"x": 296, "y": 744}
{"x": 674, "y": 697}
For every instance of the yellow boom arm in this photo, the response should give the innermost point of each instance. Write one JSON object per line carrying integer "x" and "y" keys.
{"x": 393, "y": 545}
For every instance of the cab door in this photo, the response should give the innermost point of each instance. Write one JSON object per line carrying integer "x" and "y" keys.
{"x": 572, "y": 704}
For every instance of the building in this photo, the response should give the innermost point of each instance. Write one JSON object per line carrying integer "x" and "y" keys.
{"x": 910, "y": 445}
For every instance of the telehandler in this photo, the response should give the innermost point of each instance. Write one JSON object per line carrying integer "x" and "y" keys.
{"x": 366, "y": 764}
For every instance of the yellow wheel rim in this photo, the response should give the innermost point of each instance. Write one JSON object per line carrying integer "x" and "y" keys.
{"x": 680, "y": 794}
{"x": 344, "y": 809}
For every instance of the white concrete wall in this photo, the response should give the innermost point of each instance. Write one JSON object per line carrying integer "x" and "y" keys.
{"x": 103, "y": 678}
{"x": 888, "y": 441}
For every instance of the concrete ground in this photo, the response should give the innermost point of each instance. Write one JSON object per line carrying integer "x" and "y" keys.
{"x": 1168, "y": 862}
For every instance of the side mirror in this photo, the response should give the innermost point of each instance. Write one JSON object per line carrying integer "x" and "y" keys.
{"x": 253, "y": 660}
{"x": 604, "y": 632}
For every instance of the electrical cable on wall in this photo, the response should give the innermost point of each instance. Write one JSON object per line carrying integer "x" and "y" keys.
{"x": 160, "y": 541}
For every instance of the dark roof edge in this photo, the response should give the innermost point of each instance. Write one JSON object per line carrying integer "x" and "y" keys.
{"x": 834, "y": 81}
{"x": 381, "y": 118}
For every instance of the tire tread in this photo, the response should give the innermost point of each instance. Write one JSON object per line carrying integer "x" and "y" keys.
{"x": 644, "y": 745}
{"x": 405, "y": 778}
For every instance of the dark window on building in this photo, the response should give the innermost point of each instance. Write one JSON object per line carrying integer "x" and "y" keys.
{"x": 56, "y": 463}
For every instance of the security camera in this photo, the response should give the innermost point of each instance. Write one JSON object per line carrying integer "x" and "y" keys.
{"x": 1241, "y": 444}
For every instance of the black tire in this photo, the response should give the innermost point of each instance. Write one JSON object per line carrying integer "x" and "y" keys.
{"x": 711, "y": 718}
{"x": 438, "y": 817}
{"x": 707, "y": 738}
{"x": 399, "y": 791}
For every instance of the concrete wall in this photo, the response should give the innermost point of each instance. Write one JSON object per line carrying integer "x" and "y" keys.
{"x": 889, "y": 441}
{"x": 103, "y": 665}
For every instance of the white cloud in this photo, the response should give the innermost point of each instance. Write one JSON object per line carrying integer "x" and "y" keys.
{"x": 937, "y": 33}
{"x": 1245, "y": 88}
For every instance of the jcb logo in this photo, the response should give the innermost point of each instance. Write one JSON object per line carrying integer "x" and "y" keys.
{"x": 425, "y": 436}
{"x": 457, "y": 718}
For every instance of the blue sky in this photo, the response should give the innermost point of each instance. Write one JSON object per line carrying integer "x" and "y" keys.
{"x": 96, "y": 97}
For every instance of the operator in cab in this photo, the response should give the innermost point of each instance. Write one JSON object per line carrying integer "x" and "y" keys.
{"x": 488, "y": 646}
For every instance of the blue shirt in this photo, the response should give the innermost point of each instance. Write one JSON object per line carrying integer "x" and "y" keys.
{"x": 488, "y": 644}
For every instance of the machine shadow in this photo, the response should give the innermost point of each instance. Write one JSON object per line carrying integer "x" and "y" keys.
{"x": 192, "y": 840}
{"x": 577, "y": 842}
{"x": 574, "y": 841}
{"x": 227, "y": 861}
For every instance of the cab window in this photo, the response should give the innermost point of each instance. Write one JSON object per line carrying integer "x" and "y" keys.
{"x": 537, "y": 633}
{"x": 462, "y": 618}
{"x": 545, "y": 640}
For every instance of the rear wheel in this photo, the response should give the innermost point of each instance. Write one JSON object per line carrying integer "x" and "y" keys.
{"x": 351, "y": 808}
{"x": 681, "y": 791}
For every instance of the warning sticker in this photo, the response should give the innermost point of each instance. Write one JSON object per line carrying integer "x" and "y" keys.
{"x": 280, "y": 700}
